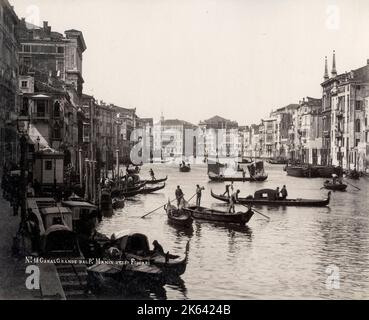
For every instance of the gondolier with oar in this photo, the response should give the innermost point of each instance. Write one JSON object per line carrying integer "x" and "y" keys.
{"x": 232, "y": 201}
{"x": 179, "y": 195}
{"x": 152, "y": 175}
{"x": 198, "y": 194}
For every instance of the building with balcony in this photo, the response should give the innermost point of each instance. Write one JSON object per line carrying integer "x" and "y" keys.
{"x": 344, "y": 114}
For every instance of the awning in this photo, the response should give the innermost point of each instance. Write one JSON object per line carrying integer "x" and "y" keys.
{"x": 34, "y": 134}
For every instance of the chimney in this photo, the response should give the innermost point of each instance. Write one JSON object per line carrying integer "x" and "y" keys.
{"x": 45, "y": 25}
{"x": 326, "y": 76}
{"x": 334, "y": 71}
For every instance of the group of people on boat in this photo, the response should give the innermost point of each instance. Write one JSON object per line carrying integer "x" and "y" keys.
{"x": 281, "y": 194}
{"x": 181, "y": 202}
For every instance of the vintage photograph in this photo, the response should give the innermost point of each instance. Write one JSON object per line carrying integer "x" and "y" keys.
{"x": 184, "y": 150}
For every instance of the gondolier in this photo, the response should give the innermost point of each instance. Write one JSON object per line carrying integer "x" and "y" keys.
{"x": 226, "y": 190}
{"x": 152, "y": 175}
{"x": 232, "y": 202}
{"x": 179, "y": 195}
{"x": 198, "y": 195}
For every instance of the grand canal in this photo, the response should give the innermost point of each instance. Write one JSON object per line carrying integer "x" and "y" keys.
{"x": 289, "y": 256}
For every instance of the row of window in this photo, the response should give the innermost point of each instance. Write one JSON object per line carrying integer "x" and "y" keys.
{"x": 42, "y": 49}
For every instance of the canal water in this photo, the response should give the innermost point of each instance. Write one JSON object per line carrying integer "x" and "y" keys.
{"x": 301, "y": 253}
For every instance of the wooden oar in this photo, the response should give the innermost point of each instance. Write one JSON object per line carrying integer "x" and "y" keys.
{"x": 352, "y": 185}
{"x": 144, "y": 216}
{"x": 258, "y": 212}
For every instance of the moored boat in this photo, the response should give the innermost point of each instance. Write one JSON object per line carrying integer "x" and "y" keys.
{"x": 335, "y": 186}
{"x": 266, "y": 197}
{"x": 156, "y": 180}
{"x": 147, "y": 190}
{"x": 219, "y": 216}
{"x": 178, "y": 217}
{"x": 118, "y": 203}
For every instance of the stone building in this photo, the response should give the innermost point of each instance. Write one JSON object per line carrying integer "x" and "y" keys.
{"x": 8, "y": 82}
{"x": 344, "y": 116}
{"x": 54, "y": 61}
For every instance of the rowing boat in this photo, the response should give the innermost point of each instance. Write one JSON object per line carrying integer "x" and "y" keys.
{"x": 266, "y": 197}
{"x": 219, "y": 216}
{"x": 184, "y": 168}
{"x": 178, "y": 217}
{"x": 335, "y": 186}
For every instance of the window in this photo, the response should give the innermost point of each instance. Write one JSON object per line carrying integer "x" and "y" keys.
{"x": 48, "y": 165}
{"x": 24, "y": 84}
{"x": 358, "y": 105}
{"x": 41, "y": 108}
{"x": 26, "y": 48}
{"x": 56, "y": 109}
{"x": 357, "y": 142}
{"x": 357, "y": 125}
{"x": 60, "y": 49}
{"x": 56, "y": 133}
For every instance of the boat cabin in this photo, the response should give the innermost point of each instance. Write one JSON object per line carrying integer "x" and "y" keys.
{"x": 56, "y": 216}
{"x": 135, "y": 243}
{"x": 265, "y": 194}
{"x": 82, "y": 213}
{"x": 60, "y": 241}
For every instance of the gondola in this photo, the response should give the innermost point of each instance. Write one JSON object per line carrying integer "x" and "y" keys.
{"x": 136, "y": 246}
{"x": 219, "y": 216}
{"x": 178, "y": 217}
{"x": 242, "y": 179}
{"x": 277, "y": 161}
{"x": 335, "y": 186}
{"x": 117, "y": 192}
{"x": 118, "y": 203}
{"x": 147, "y": 190}
{"x": 184, "y": 168}
{"x": 156, "y": 181}
{"x": 266, "y": 197}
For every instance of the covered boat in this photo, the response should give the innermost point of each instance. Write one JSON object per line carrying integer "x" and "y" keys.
{"x": 178, "y": 217}
{"x": 136, "y": 246}
{"x": 267, "y": 197}
{"x": 219, "y": 216}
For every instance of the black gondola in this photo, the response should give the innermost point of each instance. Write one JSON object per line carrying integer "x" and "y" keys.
{"x": 335, "y": 186}
{"x": 178, "y": 217}
{"x": 266, "y": 197}
{"x": 184, "y": 167}
{"x": 219, "y": 216}
{"x": 147, "y": 190}
{"x": 156, "y": 181}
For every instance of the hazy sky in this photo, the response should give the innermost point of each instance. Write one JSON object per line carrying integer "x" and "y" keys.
{"x": 192, "y": 59}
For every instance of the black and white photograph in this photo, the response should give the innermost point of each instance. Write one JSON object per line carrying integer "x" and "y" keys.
{"x": 160, "y": 150}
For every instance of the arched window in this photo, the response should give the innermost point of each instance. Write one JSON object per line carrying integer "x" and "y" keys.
{"x": 357, "y": 125}
{"x": 56, "y": 109}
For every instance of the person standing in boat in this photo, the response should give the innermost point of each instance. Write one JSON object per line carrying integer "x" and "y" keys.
{"x": 158, "y": 249}
{"x": 277, "y": 193}
{"x": 179, "y": 195}
{"x": 152, "y": 175}
{"x": 198, "y": 195}
{"x": 284, "y": 193}
{"x": 226, "y": 190}
{"x": 232, "y": 201}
